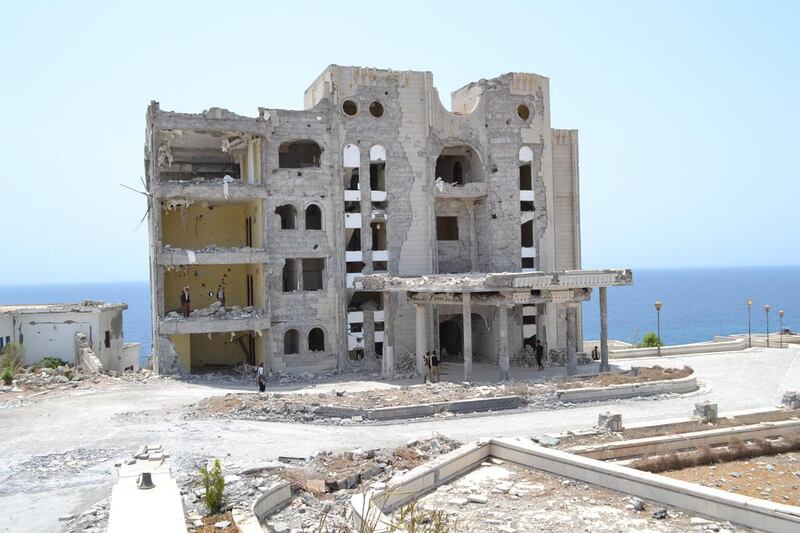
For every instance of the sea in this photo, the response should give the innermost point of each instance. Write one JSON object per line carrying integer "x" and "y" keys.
{"x": 698, "y": 303}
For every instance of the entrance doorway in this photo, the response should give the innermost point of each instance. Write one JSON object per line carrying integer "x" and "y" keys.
{"x": 451, "y": 342}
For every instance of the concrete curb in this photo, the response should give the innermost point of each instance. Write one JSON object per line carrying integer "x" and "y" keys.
{"x": 369, "y": 508}
{"x": 272, "y": 498}
{"x": 631, "y": 390}
{"x": 634, "y": 448}
{"x": 472, "y": 405}
{"x": 681, "y": 349}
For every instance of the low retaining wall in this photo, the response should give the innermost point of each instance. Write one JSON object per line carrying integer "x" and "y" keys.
{"x": 713, "y": 503}
{"x": 473, "y": 405}
{"x": 271, "y": 499}
{"x": 368, "y": 509}
{"x": 634, "y": 448}
{"x": 681, "y": 349}
{"x": 629, "y": 390}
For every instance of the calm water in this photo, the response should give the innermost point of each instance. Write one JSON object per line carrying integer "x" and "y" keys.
{"x": 698, "y": 303}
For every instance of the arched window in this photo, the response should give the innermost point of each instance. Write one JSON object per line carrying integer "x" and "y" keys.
{"x": 299, "y": 154}
{"x": 288, "y": 216}
{"x": 459, "y": 164}
{"x": 291, "y": 342}
{"x": 526, "y": 154}
{"x": 377, "y": 153}
{"x": 316, "y": 340}
{"x": 351, "y": 157}
{"x": 313, "y": 217}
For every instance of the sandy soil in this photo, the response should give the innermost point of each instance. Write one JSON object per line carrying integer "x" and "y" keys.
{"x": 775, "y": 478}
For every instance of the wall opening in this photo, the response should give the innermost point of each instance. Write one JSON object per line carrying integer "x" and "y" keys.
{"x": 313, "y": 217}
{"x": 378, "y": 235}
{"x": 354, "y": 242}
{"x": 186, "y": 155}
{"x": 377, "y": 176}
{"x": 459, "y": 164}
{"x": 526, "y": 234}
{"x": 288, "y": 215}
{"x": 350, "y": 108}
{"x": 299, "y": 154}
{"x": 376, "y": 109}
{"x": 523, "y": 112}
{"x": 291, "y": 342}
{"x": 525, "y": 178}
{"x": 316, "y": 340}
{"x": 291, "y": 275}
{"x": 107, "y": 339}
{"x": 451, "y": 341}
{"x": 447, "y": 228}
{"x": 313, "y": 270}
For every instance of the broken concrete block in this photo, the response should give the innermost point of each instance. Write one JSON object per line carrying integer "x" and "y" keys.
{"x": 609, "y": 422}
{"x": 477, "y": 498}
{"x": 459, "y": 501}
{"x": 222, "y": 524}
{"x": 706, "y": 412}
{"x": 316, "y": 485}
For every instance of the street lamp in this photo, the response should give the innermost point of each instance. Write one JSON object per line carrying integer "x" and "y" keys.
{"x": 767, "y": 307}
{"x": 658, "y": 326}
{"x": 780, "y": 314}
{"x": 749, "y": 325}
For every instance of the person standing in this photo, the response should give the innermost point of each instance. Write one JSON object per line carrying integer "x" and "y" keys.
{"x": 595, "y": 354}
{"x": 261, "y": 378}
{"x": 434, "y": 367}
{"x": 539, "y": 354}
{"x": 427, "y": 377}
{"x": 186, "y": 302}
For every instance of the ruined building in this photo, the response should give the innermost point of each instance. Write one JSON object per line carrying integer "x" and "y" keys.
{"x": 372, "y": 223}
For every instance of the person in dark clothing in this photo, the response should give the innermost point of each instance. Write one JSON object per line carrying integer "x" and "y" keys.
{"x": 539, "y": 354}
{"x": 427, "y": 377}
{"x": 595, "y": 354}
{"x": 186, "y": 302}
{"x": 434, "y": 367}
{"x": 261, "y": 378}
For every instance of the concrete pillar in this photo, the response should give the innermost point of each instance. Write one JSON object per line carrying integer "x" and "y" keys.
{"x": 473, "y": 239}
{"x": 422, "y": 338}
{"x": 387, "y": 369}
{"x": 251, "y": 162}
{"x": 604, "y": 366}
{"x": 505, "y": 362}
{"x": 368, "y": 332}
{"x": 467, "y": 329}
{"x": 572, "y": 338}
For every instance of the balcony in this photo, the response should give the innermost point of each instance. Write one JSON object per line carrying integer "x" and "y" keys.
{"x": 219, "y": 189}
{"x": 214, "y": 319}
{"x": 461, "y": 192}
{"x": 211, "y": 255}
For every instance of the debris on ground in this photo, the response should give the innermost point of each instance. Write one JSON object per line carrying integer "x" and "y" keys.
{"x": 217, "y": 310}
{"x": 634, "y": 375}
{"x": 303, "y": 407}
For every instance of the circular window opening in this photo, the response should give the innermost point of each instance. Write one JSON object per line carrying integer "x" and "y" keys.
{"x": 376, "y": 109}
{"x": 523, "y": 112}
{"x": 350, "y": 108}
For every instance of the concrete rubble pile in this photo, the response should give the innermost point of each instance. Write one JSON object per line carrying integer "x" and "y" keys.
{"x": 217, "y": 310}
{"x": 68, "y": 377}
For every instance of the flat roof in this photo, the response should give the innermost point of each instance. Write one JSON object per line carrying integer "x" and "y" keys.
{"x": 86, "y": 306}
{"x": 494, "y": 282}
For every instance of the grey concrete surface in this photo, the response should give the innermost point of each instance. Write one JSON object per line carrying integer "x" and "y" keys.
{"x": 133, "y": 414}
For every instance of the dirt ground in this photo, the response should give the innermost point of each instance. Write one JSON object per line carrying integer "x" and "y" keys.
{"x": 502, "y": 497}
{"x": 634, "y": 375}
{"x": 775, "y": 478}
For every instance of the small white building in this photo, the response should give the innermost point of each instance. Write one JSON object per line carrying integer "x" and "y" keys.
{"x": 49, "y": 330}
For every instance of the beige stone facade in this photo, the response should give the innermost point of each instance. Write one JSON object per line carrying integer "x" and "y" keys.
{"x": 283, "y": 212}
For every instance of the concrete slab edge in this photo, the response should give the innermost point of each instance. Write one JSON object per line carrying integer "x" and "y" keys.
{"x": 471, "y": 405}
{"x": 615, "y": 392}
{"x": 271, "y": 500}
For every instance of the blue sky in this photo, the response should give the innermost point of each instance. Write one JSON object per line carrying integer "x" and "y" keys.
{"x": 687, "y": 111}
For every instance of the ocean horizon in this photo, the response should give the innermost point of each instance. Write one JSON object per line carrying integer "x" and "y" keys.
{"x": 698, "y": 303}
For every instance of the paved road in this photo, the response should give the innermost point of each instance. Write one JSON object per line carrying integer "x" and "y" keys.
{"x": 133, "y": 414}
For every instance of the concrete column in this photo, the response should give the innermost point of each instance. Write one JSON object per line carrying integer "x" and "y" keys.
{"x": 467, "y": 329}
{"x": 473, "y": 239}
{"x": 387, "y": 370}
{"x": 422, "y": 338}
{"x": 251, "y": 171}
{"x": 368, "y": 332}
{"x": 604, "y": 367}
{"x": 572, "y": 339}
{"x": 505, "y": 362}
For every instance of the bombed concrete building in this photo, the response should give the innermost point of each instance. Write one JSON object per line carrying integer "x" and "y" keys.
{"x": 371, "y": 224}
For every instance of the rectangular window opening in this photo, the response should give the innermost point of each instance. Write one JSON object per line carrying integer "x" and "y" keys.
{"x": 313, "y": 270}
{"x": 447, "y": 228}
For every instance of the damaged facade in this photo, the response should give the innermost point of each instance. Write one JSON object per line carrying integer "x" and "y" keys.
{"x": 65, "y": 330}
{"x": 291, "y": 228}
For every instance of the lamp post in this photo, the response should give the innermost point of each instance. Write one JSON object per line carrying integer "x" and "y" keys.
{"x": 767, "y": 307}
{"x": 658, "y": 326}
{"x": 749, "y": 325}
{"x": 780, "y": 314}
